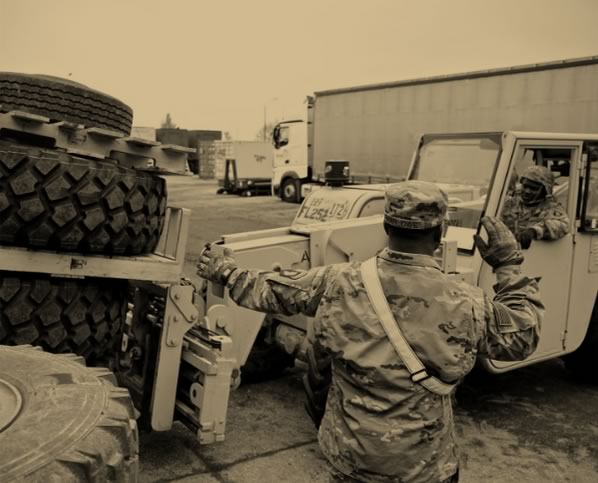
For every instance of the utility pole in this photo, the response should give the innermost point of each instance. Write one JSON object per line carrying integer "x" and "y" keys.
{"x": 266, "y": 116}
{"x": 265, "y": 123}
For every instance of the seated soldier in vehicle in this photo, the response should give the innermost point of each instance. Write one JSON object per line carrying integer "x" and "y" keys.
{"x": 532, "y": 212}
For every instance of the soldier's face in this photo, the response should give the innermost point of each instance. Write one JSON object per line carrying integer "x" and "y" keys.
{"x": 531, "y": 191}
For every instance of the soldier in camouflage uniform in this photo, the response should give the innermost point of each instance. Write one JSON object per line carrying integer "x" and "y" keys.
{"x": 533, "y": 213}
{"x": 380, "y": 425}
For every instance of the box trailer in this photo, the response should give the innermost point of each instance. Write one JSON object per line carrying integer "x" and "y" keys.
{"x": 376, "y": 127}
{"x": 243, "y": 167}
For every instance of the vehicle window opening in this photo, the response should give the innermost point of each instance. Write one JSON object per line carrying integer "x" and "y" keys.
{"x": 557, "y": 160}
{"x": 280, "y": 136}
{"x": 589, "y": 208}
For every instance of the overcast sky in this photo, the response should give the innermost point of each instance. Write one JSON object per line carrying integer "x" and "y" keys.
{"x": 217, "y": 64}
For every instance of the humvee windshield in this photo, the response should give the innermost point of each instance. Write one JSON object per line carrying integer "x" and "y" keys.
{"x": 463, "y": 167}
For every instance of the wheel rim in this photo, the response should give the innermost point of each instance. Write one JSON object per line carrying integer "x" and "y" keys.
{"x": 10, "y": 404}
{"x": 289, "y": 189}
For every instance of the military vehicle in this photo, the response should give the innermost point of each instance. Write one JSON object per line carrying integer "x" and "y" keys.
{"x": 344, "y": 224}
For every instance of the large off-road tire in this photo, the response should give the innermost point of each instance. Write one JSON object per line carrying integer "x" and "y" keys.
{"x": 62, "y": 315}
{"x": 63, "y": 422}
{"x": 64, "y": 100}
{"x": 52, "y": 200}
{"x": 583, "y": 363}
{"x": 316, "y": 383}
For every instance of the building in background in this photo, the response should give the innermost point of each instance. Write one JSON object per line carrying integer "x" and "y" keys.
{"x": 191, "y": 138}
{"x": 143, "y": 132}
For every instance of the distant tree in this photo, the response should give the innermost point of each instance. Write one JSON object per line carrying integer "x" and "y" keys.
{"x": 167, "y": 123}
{"x": 227, "y": 136}
{"x": 268, "y": 134}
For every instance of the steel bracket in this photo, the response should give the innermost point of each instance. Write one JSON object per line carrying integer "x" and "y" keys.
{"x": 178, "y": 321}
{"x": 219, "y": 319}
{"x": 182, "y": 314}
{"x": 100, "y": 143}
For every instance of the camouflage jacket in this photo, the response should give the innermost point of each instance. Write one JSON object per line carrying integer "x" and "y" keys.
{"x": 379, "y": 426}
{"x": 548, "y": 219}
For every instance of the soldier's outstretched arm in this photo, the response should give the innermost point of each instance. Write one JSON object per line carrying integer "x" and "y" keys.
{"x": 512, "y": 321}
{"x": 510, "y": 324}
{"x": 554, "y": 224}
{"x": 287, "y": 292}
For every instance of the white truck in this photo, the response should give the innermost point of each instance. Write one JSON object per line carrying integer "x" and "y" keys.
{"x": 243, "y": 167}
{"x": 376, "y": 127}
{"x": 344, "y": 224}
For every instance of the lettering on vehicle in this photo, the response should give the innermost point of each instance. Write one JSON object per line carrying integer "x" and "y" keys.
{"x": 305, "y": 257}
{"x": 322, "y": 209}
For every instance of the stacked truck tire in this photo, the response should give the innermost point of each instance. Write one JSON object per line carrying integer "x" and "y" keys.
{"x": 62, "y": 202}
{"x": 51, "y": 200}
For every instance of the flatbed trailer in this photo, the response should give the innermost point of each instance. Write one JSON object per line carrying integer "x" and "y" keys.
{"x": 244, "y": 167}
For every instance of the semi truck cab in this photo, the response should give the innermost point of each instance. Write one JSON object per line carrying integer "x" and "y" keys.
{"x": 290, "y": 159}
{"x": 293, "y": 152}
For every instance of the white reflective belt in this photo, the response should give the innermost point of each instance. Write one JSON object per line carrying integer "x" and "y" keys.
{"x": 373, "y": 287}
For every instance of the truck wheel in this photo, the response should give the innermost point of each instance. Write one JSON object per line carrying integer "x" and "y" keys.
{"x": 63, "y": 100}
{"x": 316, "y": 383}
{"x": 289, "y": 191}
{"x": 583, "y": 363}
{"x": 62, "y": 315}
{"x": 62, "y": 421}
{"x": 265, "y": 361}
{"x": 52, "y": 200}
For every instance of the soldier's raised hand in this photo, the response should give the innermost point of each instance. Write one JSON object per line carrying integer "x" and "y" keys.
{"x": 502, "y": 248}
{"x": 216, "y": 267}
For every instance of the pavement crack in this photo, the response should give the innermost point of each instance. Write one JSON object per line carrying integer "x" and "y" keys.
{"x": 265, "y": 454}
{"x": 214, "y": 469}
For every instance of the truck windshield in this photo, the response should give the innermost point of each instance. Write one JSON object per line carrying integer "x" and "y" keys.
{"x": 463, "y": 168}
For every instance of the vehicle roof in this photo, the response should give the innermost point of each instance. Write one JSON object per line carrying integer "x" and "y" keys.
{"x": 368, "y": 187}
{"x": 559, "y": 64}
{"x": 554, "y": 135}
{"x": 575, "y": 136}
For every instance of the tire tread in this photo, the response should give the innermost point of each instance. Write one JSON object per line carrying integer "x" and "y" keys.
{"x": 60, "y": 100}
{"x": 56, "y": 201}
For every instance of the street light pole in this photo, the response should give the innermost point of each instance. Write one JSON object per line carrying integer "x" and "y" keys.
{"x": 265, "y": 121}
{"x": 266, "y": 116}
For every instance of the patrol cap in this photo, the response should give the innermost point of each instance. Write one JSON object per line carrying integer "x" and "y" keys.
{"x": 540, "y": 174}
{"x": 415, "y": 205}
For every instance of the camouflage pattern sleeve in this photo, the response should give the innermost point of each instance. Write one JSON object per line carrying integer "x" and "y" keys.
{"x": 553, "y": 223}
{"x": 287, "y": 292}
{"x": 509, "y": 214}
{"x": 512, "y": 320}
